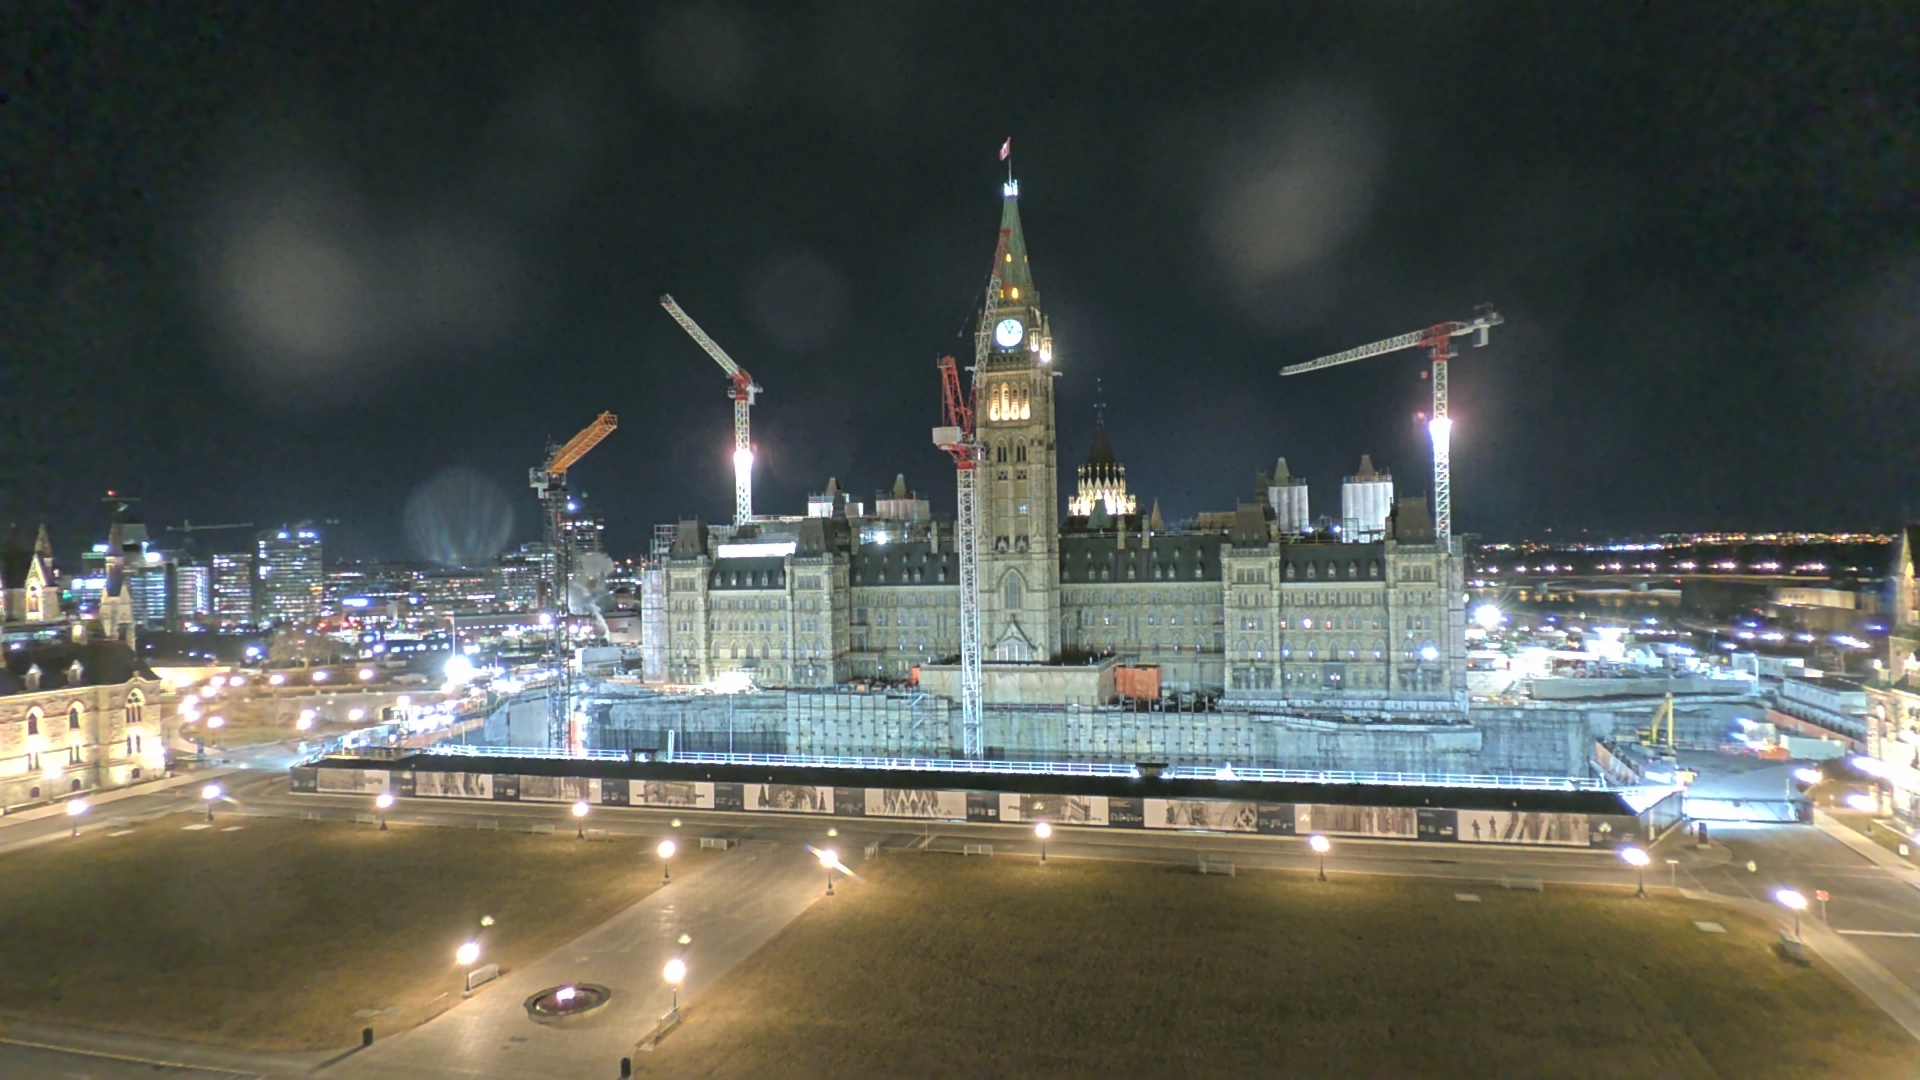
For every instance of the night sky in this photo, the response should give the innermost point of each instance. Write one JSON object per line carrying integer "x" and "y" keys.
{"x": 279, "y": 261}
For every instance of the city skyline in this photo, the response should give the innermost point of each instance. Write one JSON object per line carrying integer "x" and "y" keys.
{"x": 327, "y": 319}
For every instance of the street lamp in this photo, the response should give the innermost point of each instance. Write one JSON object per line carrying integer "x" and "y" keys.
{"x": 210, "y": 794}
{"x": 383, "y": 803}
{"x": 74, "y": 810}
{"x": 1320, "y": 845}
{"x": 665, "y": 851}
{"x": 1795, "y": 902}
{"x": 1043, "y": 830}
{"x": 676, "y": 970}
{"x": 828, "y": 859}
{"x": 466, "y": 954}
{"x": 580, "y": 815}
{"x": 1637, "y": 858}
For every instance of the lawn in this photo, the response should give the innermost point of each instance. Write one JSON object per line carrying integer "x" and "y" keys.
{"x": 274, "y": 936}
{"x": 936, "y": 965}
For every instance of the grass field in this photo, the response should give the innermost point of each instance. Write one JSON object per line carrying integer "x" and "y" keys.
{"x": 274, "y": 936}
{"x": 941, "y": 966}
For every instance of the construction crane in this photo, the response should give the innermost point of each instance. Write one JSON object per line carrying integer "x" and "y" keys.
{"x": 742, "y": 390}
{"x": 190, "y": 527}
{"x": 549, "y": 482}
{"x": 958, "y": 438}
{"x": 1438, "y": 341}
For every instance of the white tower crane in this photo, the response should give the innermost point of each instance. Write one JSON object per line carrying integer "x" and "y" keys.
{"x": 1438, "y": 341}
{"x": 742, "y": 390}
{"x": 957, "y": 437}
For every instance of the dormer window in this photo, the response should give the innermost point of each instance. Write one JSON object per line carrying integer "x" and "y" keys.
{"x": 76, "y": 673}
{"x": 33, "y": 678}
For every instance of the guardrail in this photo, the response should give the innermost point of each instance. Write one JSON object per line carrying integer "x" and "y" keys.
{"x": 1226, "y": 773}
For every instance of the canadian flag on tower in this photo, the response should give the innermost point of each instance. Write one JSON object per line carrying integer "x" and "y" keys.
{"x": 1006, "y": 148}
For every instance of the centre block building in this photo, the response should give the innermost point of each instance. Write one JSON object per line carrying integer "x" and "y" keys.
{"x": 1230, "y": 604}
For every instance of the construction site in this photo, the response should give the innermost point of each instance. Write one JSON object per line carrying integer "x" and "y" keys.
{"x": 1255, "y": 637}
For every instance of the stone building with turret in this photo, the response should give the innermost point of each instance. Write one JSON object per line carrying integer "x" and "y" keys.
{"x": 1237, "y": 604}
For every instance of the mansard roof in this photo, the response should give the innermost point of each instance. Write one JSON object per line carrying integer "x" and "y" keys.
{"x": 911, "y": 563}
{"x": 1180, "y": 558}
{"x": 102, "y": 663}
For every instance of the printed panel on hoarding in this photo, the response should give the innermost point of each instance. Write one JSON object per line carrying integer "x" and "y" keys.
{"x": 453, "y": 785}
{"x": 304, "y": 778}
{"x": 1057, "y": 809}
{"x": 1396, "y": 822}
{"x": 1439, "y": 825}
{"x": 1212, "y": 815}
{"x": 850, "y": 801}
{"x": 1276, "y": 819}
{"x": 1126, "y": 813}
{"x": 401, "y": 782}
{"x": 506, "y": 787}
{"x": 729, "y": 797}
{"x": 788, "y": 798}
{"x": 616, "y": 791}
{"x": 1508, "y": 827}
{"x": 559, "y": 788}
{"x": 983, "y": 806}
{"x": 353, "y": 781}
{"x": 910, "y": 803}
{"x": 692, "y": 794}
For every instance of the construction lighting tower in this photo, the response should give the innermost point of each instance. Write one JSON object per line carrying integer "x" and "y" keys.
{"x": 742, "y": 390}
{"x": 549, "y": 482}
{"x": 958, "y": 438}
{"x": 1438, "y": 341}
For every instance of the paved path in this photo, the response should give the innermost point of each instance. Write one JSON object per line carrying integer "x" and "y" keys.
{"x": 729, "y": 907}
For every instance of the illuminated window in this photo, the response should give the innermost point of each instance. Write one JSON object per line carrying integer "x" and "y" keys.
{"x": 33, "y": 722}
{"x": 73, "y": 717}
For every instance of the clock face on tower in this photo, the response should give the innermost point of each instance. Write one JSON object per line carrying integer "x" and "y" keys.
{"x": 1008, "y": 333}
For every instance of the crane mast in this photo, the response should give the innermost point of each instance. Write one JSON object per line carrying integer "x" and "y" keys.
{"x": 742, "y": 390}
{"x": 1438, "y": 341}
{"x": 958, "y": 437}
{"x": 549, "y": 482}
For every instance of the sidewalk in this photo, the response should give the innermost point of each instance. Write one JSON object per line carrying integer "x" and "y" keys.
{"x": 1867, "y": 849}
{"x": 113, "y": 795}
{"x": 728, "y": 908}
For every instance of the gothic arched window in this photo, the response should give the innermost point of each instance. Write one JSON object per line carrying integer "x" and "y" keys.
{"x": 73, "y": 716}
{"x": 1011, "y": 591}
{"x": 1020, "y": 452}
{"x": 33, "y": 721}
{"x": 136, "y": 706}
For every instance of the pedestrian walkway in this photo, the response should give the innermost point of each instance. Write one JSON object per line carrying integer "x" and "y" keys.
{"x": 727, "y": 908}
{"x": 1867, "y": 849}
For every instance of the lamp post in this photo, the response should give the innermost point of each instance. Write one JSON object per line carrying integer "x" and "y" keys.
{"x": 465, "y": 956}
{"x": 827, "y": 860}
{"x": 383, "y": 803}
{"x": 1043, "y": 830}
{"x": 1673, "y": 874}
{"x": 1637, "y": 858}
{"x": 665, "y": 851}
{"x": 210, "y": 795}
{"x": 74, "y": 809}
{"x": 580, "y": 818}
{"x": 676, "y": 970}
{"x": 1320, "y": 845}
{"x": 1793, "y": 902}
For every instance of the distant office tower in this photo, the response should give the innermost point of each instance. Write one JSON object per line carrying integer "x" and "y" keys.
{"x": 1288, "y": 494}
{"x": 290, "y": 575}
{"x": 231, "y": 580}
{"x": 1366, "y": 499}
{"x": 193, "y": 590}
{"x": 524, "y": 575}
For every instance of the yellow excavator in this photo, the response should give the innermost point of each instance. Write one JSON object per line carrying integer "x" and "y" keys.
{"x": 1661, "y": 742}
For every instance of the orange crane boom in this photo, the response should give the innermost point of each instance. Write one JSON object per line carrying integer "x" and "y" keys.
{"x": 577, "y": 447}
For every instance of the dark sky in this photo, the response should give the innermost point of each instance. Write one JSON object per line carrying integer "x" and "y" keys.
{"x": 279, "y": 261}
